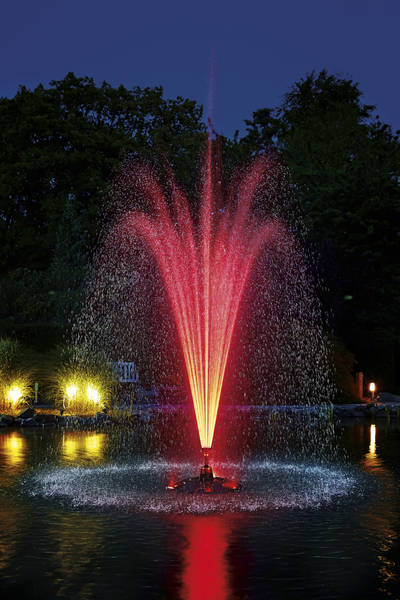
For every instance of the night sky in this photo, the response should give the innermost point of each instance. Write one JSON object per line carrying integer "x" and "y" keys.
{"x": 261, "y": 48}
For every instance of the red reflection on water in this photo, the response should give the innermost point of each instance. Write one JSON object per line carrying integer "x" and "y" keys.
{"x": 205, "y": 573}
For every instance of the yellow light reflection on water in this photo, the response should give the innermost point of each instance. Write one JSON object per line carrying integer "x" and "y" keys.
{"x": 380, "y": 517}
{"x": 13, "y": 446}
{"x": 372, "y": 440}
{"x": 83, "y": 444}
{"x": 95, "y": 445}
{"x": 371, "y": 459}
{"x": 69, "y": 446}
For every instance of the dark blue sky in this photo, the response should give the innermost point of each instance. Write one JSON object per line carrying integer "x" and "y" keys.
{"x": 261, "y": 47}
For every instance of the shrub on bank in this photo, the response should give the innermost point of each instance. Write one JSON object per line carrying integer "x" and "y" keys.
{"x": 85, "y": 384}
{"x": 15, "y": 385}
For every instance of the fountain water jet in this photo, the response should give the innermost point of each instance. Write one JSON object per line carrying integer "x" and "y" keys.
{"x": 236, "y": 283}
{"x": 205, "y": 268}
{"x": 205, "y": 273}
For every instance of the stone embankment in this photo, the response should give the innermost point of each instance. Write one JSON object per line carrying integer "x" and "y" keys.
{"x": 30, "y": 418}
{"x": 386, "y": 406}
{"x": 371, "y": 410}
{"x": 389, "y": 408}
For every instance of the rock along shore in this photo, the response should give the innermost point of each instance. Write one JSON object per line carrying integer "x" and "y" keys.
{"x": 30, "y": 418}
{"x": 145, "y": 413}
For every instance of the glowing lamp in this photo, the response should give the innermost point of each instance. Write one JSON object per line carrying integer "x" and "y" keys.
{"x": 14, "y": 394}
{"x": 372, "y": 389}
{"x": 71, "y": 392}
{"x": 93, "y": 395}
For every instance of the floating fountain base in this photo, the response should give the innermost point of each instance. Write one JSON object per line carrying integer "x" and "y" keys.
{"x": 206, "y": 483}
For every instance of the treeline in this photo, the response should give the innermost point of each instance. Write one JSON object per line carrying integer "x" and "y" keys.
{"x": 61, "y": 146}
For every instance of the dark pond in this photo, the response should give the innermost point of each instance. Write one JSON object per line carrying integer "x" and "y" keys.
{"x": 81, "y": 518}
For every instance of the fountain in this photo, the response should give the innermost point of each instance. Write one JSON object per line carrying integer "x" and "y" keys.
{"x": 83, "y": 506}
{"x": 205, "y": 270}
{"x": 231, "y": 274}
{"x": 205, "y": 258}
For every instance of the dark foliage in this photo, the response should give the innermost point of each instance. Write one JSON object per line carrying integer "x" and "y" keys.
{"x": 62, "y": 145}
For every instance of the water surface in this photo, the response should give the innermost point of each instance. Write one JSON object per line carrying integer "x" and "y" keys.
{"x": 81, "y": 518}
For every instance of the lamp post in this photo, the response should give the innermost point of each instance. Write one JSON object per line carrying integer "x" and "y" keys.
{"x": 372, "y": 389}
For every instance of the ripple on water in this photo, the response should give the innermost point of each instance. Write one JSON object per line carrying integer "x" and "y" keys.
{"x": 267, "y": 485}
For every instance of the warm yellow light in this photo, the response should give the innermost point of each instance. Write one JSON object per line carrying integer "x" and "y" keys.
{"x": 14, "y": 394}
{"x": 92, "y": 442}
{"x": 14, "y": 442}
{"x": 372, "y": 387}
{"x": 94, "y": 445}
{"x": 372, "y": 438}
{"x": 69, "y": 446}
{"x": 79, "y": 444}
{"x": 71, "y": 391}
{"x": 93, "y": 395}
{"x": 13, "y": 445}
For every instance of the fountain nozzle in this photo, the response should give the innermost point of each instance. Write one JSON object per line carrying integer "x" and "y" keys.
{"x": 206, "y": 473}
{"x": 206, "y": 453}
{"x": 206, "y": 483}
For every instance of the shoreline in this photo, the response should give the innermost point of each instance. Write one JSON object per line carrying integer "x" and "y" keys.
{"x": 146, "y": 413}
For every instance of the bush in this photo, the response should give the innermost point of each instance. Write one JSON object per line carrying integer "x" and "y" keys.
{"x": 9, "y": 352}
{"x": 85, "y": 384}
{"x": 15, "y": 385}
